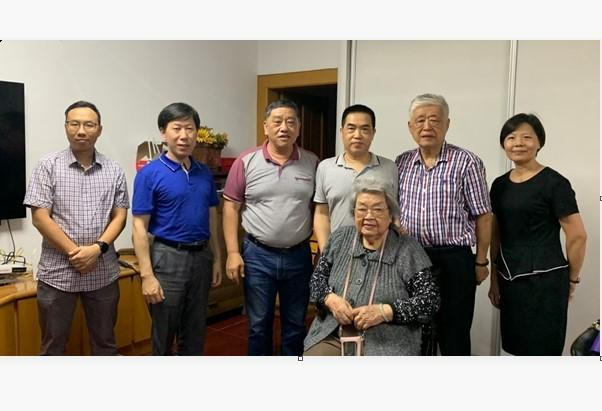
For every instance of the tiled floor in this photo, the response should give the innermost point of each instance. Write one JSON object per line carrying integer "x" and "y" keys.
{"x": 227, "y": 335}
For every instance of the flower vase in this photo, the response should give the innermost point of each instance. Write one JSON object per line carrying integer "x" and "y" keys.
{"x": 209, "y": 155}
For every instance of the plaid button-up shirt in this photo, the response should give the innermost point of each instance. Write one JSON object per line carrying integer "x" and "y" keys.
{"x": 439, "y": 206}
{"x": 80, "y": 202}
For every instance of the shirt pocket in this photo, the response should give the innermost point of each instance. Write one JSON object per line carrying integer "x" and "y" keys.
{"x": 302, "y": 186}
{"x": 449, "y": 192}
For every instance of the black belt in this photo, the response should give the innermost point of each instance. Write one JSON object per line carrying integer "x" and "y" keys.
{"x": 195, "y": 246}
{"x": 276, "y": 249}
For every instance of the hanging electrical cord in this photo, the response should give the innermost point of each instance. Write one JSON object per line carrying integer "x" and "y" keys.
{"x": 11, "y": 255}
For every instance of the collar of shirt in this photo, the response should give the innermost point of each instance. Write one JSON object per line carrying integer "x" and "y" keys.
{"x": 374, "y": 161}
{"x": 389, "y": 254}
{"x": 174, "y": 165}
{"x": 295, "y": 155}
{"x": 443, "y": 155}
{"x": 98, "y": 158}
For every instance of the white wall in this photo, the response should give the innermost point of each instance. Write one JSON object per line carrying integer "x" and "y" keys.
{"x": 288, "y": 56}
{"x": 473, "y": 77}
{"x": 559, "y": 80}
{"x": 285, "y": 56}
{"x": 130, "y": 82}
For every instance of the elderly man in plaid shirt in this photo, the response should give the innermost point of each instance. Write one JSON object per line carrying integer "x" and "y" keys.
{"x": 444, "y": 204}
{"x": 79, "y": 201}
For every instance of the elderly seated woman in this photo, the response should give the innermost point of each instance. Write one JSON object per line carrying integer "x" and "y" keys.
{"x": 371, "y": 282}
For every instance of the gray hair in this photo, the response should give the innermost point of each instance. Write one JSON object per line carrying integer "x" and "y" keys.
{"x": 373, "y": 185}
{"x": 429, "y": 99}
{"x": 279, "y": 104}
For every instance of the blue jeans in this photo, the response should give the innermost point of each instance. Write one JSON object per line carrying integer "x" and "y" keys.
{"x": 269, "y": 272}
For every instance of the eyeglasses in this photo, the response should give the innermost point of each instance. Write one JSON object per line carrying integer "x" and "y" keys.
{"x": 75, "y": 125}
{"x": 421, "y": 122}
{"x": 376, "y": 212}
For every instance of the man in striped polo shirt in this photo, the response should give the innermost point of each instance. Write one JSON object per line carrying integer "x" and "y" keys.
{"x": 444, "y": 203}
{"x": 271, "y": 186}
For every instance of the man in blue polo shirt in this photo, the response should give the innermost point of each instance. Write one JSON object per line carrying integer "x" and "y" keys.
{"x": 175, "y": 200}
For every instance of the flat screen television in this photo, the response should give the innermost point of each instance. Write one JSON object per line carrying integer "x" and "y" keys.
{"x": 12, "y": 150}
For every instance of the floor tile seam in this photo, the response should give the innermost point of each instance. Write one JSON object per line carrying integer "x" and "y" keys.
{"x": 223, "y": 327}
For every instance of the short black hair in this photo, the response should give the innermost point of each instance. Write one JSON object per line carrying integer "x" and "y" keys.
{"x": 284, "y": 102}
{"x": 83, "y": 104}
{"x": 359, "y": 108}
{"x": 517, "y": 120}
{"x": 178, "y": 111}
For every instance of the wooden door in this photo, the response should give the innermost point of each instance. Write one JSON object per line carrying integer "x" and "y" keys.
{"x": 316, "y": 127}
{"x": 316, "y": 94}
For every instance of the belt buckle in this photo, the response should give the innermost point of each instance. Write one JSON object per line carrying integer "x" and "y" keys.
{"x": 196, "y": 245}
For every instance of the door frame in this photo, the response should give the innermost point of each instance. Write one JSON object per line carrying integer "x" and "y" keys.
{"x": 269, "y": 84}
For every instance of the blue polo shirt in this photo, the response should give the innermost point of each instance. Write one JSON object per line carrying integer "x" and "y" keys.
{"x": 177, "y": 200}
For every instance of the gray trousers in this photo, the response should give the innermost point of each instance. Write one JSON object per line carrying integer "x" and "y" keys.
{"x": 55, "y": 312}
{"x": 185, "y": 277}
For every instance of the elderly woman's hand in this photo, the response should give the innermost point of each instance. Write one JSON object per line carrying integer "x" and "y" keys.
{"x": 368, "y": 316}
{"x": 340, "y": 308}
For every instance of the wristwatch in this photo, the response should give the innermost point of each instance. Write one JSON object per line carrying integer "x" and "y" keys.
{"x": 104, "y": 247}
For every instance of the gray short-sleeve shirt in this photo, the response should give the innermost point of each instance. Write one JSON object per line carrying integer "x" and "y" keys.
{"x": 334, "y": 181}
{"x": 276, "y": 198}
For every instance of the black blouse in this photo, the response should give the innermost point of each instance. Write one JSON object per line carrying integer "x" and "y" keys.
{"x": 527, "y": 214}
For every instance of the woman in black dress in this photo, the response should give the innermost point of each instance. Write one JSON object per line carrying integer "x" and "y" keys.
{"x": 534, "y": 280}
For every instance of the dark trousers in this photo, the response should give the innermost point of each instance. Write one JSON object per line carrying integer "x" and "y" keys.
{"x": 454, "y": 270}
{"x": 269, "y": 272}
{"x": 185, "y": 277}
{"x": 55, "y": 311}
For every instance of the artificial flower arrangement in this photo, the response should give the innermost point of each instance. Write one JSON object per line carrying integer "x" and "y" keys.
{"x": 207, "y": 137}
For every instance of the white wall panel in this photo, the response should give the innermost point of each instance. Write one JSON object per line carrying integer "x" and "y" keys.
{"x": 560, "y": 82}
{"x": 284, "y": 56}
{"x": 130, "y": 82}
{"x": 473, "y": 77}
